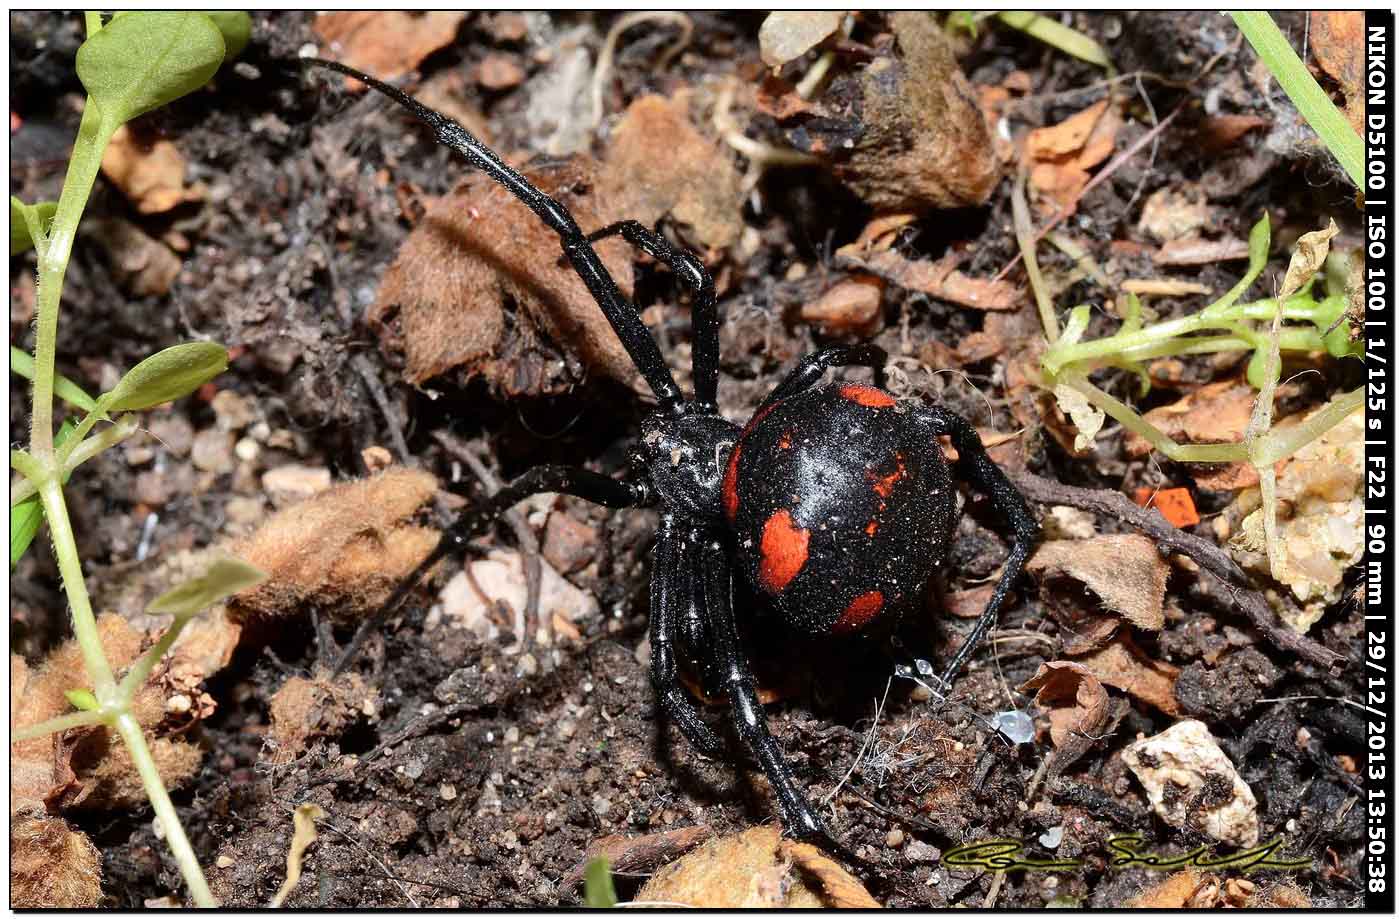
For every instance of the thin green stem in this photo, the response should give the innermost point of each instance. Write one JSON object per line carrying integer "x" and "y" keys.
{"x": 70, "y": 568}
{"x": 1312, "y": 103}
{"x": 136, "y": 677}
{"x": 54, "y": 725}
{"x": 1025, "y": 240}
{"x": 1276, "y": 445}
{"x": 175, "y": 837}
{"x": 1124, "y": 415}
{"x": 125, "y": 426}
{"x": 93, "y": 136}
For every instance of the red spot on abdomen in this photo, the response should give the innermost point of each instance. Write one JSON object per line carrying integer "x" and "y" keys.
{"x": 868, "y": 396}
{"x": 783, "y": 552}
{"x": 884, "y": 484}
{"x": 860, "y": 611}
{"x": 730, "y": 488}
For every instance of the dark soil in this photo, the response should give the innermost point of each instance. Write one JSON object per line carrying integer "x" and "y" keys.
{"x": 497, "y": 803}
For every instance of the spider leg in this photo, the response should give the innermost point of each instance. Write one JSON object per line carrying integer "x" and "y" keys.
{"x": 568, "y": 480}
{"x": 704, "y": 319}
{"x": 671, "y": 599}
{"x": 620, "y": 313}
{"x": 977, "y": 467}
{"x": 809, "y": 370}
{"x": 798, "y": 818}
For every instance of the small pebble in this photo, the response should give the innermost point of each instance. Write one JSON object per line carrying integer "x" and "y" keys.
{"x": 447, "y": 792}
{"x": 294, "y": 481}
{"x": 895, "y": 839}
{"x": 246, "y": 449}
{"x": 212, "y": 451}
{"x": 223, "y": 861}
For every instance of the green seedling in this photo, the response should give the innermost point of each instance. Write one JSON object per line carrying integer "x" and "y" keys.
{"x": 130, "y": 65}
{"x": 1313, "y": 326}
{"x": 1312, "y": 103}
{"x": 598, "y": 891}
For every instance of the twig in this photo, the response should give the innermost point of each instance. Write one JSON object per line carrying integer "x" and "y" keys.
{"x": 1203, "y": 552}
{"x": 527, "y": 619}
{"x": 381, "y": 399}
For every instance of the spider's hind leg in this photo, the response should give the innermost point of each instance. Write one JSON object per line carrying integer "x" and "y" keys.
{"x": 977, "y": 468}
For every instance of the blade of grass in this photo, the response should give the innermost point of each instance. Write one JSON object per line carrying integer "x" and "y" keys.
{"x": 1071, "y": 42}
{"x": 1312, "y": 103}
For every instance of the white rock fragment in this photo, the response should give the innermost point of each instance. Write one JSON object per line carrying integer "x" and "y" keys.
{"x": 1174, "y": 767}
{"x": 500, "y": 578}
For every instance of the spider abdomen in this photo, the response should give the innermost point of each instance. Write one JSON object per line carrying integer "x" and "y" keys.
{"x": 840, "y": 506}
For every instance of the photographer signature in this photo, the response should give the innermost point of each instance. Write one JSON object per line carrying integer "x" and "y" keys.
{"x": 1004, "y": 855}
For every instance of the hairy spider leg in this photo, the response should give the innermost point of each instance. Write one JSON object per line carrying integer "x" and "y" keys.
{"x": 809, "y": 370}
{"x": 976, "y": 467}
{"x": 673, "y": 599}
{"x": 704, "y": 318}
{"x": 567, "y": 480}
{"x": 620, "y": 313}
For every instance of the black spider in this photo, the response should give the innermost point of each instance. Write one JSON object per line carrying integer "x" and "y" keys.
{"x": 835, "y": 500}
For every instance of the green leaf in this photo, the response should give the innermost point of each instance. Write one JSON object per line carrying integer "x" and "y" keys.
{"x": 226, "y": 577}
{"x": 236, "y": 27}
{"x": 27, "y": 516}
{"x": 1071, "y": 42}
{"x": 22, "y": 363}
{"x": 141, "y": 61}
{"x": 82, "y": 699}
{"x": 20, "y": 240}
{"x": 167, "y": 375}
{"x": 598, "y": 892}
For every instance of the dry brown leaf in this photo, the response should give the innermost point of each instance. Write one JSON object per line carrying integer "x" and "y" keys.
{"x": 1337, "y": 39}
{"x": 940, "y": 279}
{"x": 842, "y": 891}
{"x": 787, "y": 35}
{"x": 659, "y": 163}
{"x": 851, "y": 307}
{"x": 1061, "y": 155}
{"x": 1172, "y": 213}
{"x": 755, "y": 869}
{"x": 498, "y": 71}
{"x": 387, "y": 44}
{"x": 145, "y": 267}
{"x": 1077, "y": 704}
{"x": 52, "y": 866}
{"x": 1219, "y": 133}
{"x": 905, "y": 133}
{"x": 151, "y": 176}
{"x": 1193, "y": 250}
{"x": 477, "y": 250}
{"x": 638, "y": 854}
{"x": 346, "y": 548}
{"x": 304, "y": 709}
{"x": 1217, "y": 413}
{"x": 1171, "y": 892}
{"x": 1125, "y": 571}
{"x": 1308, "y": 256}
{"x": 1122, "y": 665}
{"x": 87, "y": 767}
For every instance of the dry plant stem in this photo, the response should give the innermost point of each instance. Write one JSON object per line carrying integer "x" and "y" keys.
{"x": 605, "y": 56}
{"x": 1201, "y": 551}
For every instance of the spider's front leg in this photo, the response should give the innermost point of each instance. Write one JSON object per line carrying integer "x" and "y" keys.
{"x": 672, "y": 599}
{"x": 704, "y": 319}
{"x": 977, "y": 468}
{"x": 798, "y": 817}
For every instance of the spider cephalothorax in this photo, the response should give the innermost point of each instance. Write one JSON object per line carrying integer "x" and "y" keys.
{"x": 835, "y": 501}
